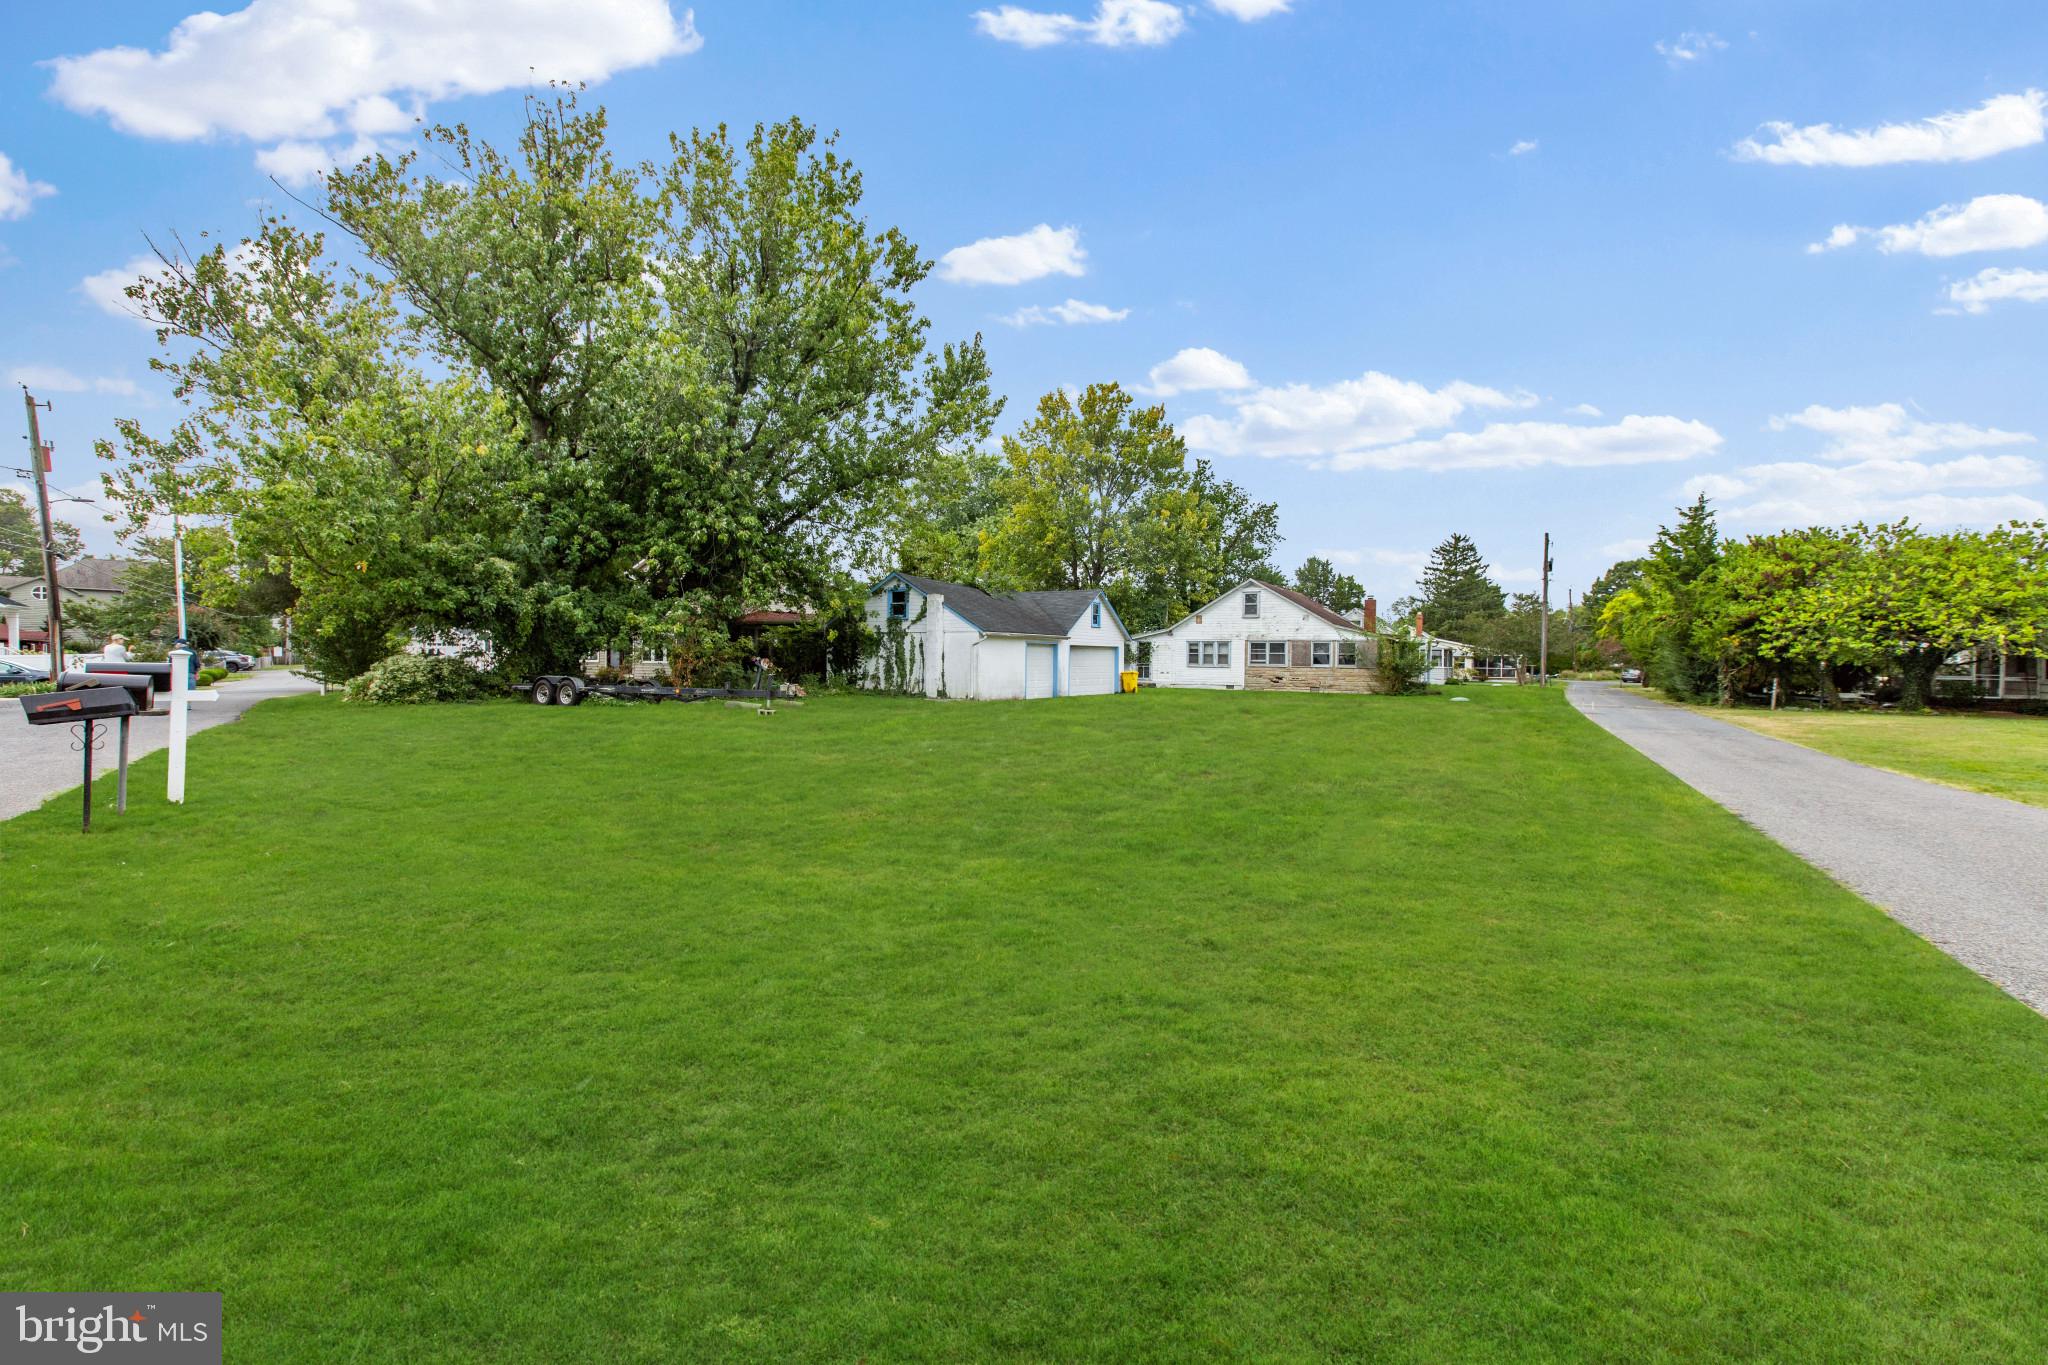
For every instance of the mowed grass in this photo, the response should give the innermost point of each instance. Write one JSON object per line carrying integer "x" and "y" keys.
{"x": 1158, "y": 1028}
{"x": 2003, "y": 755}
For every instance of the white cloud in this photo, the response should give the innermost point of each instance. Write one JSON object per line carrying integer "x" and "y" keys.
{"x": 1990, "y": 222}
{"x": 1069, "y": 314}
{"x": 1995, "y": 285}
{"x": 1972, "y": 490}
{"x": 1331, "y": 422}
{"x": 1870, "y": 469}
{"x": 1998, "y": 125}
{"x": 18, "y": 193}
{"x": 57, "y": 379}
{"x": 1529, "y": 445}
{"x": 1524, "y": 147}
{"x": 1633, "y": 548}
{"x": 1115, "y": 23}
{"x": 1690, "y": 46}
{"x": 105, "y": 287}
{"x": 1250, "y": 10}
{"x": 1195, "y": 369}
{"x": 285, "y": 72}
{"x": 1584, "y": 410}
{"x": 1044, "y": 250}
{"x": 1885, "y": 431}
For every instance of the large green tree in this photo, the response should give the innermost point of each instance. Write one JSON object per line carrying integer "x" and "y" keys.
{"x": 1319, "y": 578}
{"x": 1097, "y": 492}
{"x": 1457, "y": 592}
{"x": 567, "y": 400}
{"x": 21, "y": 536}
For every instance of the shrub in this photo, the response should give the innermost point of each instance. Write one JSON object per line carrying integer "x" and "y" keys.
{"x": 209, "y": 676}
{"x": 408, "y": 679}
{"x": 1401, "y": 664}
{"x": 27, "y": 689}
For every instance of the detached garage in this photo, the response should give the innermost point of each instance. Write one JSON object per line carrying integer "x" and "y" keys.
{"x": 956, "y": 640}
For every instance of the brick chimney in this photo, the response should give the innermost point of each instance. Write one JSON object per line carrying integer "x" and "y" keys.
{"x": 1418, "y": 623}
{"x": 1371, "y": 615}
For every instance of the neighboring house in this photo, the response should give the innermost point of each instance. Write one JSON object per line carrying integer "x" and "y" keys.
{"x": 93, "y": 580}
{"x": 1265, "y": 638}
{"x": 1997, "y": 677}
{"x": 10, "y": 622}
{"x": 955, "y": 640}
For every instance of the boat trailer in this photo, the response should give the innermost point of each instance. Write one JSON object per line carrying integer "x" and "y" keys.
{"x": 569, "y": 689}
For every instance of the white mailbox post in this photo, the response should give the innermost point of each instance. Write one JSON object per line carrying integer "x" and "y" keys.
{"x": 182, "y": 695}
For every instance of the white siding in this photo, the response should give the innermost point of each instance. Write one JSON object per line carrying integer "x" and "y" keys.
{"x": 1224, "y": 619}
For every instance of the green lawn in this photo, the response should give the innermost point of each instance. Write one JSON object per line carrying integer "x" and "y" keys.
{"x": 1165, "y": 1027}
{"x": 2004, "y": 755}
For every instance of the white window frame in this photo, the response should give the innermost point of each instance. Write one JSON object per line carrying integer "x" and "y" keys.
{"x": 1268, "y": 653}
{"x": 1251, "y": 606}
{"x": 1349, "y": 647}
{"x": 1208, "y": 654}
{"x": 1095, "y": 616}
{"x": 1320, "y": 647}
{"x": 38, "y": 593}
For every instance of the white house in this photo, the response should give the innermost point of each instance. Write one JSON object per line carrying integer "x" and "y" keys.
{"x": 954, "y": 640}
{"x": 1263, "y": 637}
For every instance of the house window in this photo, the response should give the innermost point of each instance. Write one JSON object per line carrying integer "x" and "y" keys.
{"x": 1251, "y": 604}
{"x": 1209, "y": 653}
{"x": 1272, "y": 653}
{"x": 1347, "y": 654}
{"x": 39, "y": 593}
{"x": 1095, "y": 616}
{"x": 1319, "y": 654}
{"x": 899, "y": 604}
{"x": 654, "y": 654}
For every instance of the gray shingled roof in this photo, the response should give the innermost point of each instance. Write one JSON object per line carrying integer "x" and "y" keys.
{"x": 1009, "y": 613}
{"x": 92, "y": 574}
{"x": 9, "y": 604}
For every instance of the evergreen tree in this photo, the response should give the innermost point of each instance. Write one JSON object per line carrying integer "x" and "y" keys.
{"x": 1458, "y": 593}
{"x": 1681, "y": 566}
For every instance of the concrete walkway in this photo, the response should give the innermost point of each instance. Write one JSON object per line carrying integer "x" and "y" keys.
{"x": 1967, "y": 872}
{"x": 37, "y": 762}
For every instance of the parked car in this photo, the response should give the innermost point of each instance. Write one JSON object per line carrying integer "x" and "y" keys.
{"x": 13, "y": 669}
{"x": 232, "y": 660}
{"x": 1631, "y": 675}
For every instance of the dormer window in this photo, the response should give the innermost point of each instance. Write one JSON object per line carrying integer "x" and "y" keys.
{"x": 39, "y": 593}
{"x": 899, "y": 604}
{"x": 1251, "y": 604}
{"x": 1095, "y": 616}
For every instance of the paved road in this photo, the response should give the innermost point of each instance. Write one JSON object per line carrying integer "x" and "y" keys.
{"x": 1967, "y": 872}
{"x": 37, "y": 762}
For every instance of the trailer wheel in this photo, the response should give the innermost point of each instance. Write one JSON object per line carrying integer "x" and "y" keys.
{"x": 543, "y": 692}
{"x": 567, "y": 693}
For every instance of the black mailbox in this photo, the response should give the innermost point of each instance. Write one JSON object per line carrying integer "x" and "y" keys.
{"x": 143, "y": 688}
{"x": 92, "y": 703}
{"x": 160, "y": 671}
{"x": 87, "y": 707}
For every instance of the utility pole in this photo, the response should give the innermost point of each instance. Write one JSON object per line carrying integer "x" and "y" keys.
{"x": 1543, "y": 628}
{"x": 39, "y": 461}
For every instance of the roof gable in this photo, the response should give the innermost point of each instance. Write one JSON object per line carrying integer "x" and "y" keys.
{"x": 1302, "y": 600}
{"x": 1045, "y": 612}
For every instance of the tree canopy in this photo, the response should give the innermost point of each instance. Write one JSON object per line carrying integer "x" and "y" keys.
{"x": 1319, "y": 578}
{"x": 21, "y": 536}
{"x": 566, "y": 399}
{"x": 1457, "y": 591}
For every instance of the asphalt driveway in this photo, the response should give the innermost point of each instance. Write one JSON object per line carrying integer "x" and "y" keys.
{"x": 37, "y": 762}
{"x": 1967, "y": 872}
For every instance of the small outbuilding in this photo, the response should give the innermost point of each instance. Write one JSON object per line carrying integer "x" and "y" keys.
{"x": 956, "y": 640}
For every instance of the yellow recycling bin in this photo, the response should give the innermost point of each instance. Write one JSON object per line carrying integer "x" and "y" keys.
{"x": 1130, "y": 679}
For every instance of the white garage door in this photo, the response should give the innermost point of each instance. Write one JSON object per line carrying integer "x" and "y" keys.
{"x": 1039, "y": 662}
{"x": 1093, "y": 669}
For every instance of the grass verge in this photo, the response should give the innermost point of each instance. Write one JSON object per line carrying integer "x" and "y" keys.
{"x": 1183, "y": 1025}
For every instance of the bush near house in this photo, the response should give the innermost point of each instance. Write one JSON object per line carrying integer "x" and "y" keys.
{"x": 409, "y": 679}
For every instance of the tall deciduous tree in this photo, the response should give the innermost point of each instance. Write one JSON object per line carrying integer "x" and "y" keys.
{"x": 1097, "y": 492}
{"x": 1319, "y": 578}
{"x": 21, "y": 536}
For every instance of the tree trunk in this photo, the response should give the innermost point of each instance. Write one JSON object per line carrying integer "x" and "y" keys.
{"x": 1831, "y": 696}
{"x": 1916, "y": 678}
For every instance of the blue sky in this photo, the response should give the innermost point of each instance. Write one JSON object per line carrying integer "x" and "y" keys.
{"x": 1495, "y": 268}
